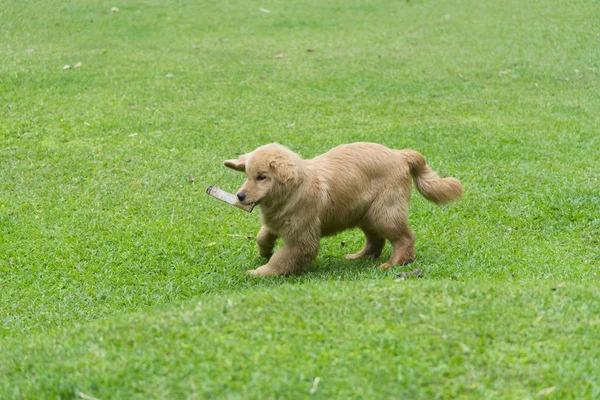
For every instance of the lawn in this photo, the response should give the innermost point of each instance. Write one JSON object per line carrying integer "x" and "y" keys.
{"x": 120, "y": 278}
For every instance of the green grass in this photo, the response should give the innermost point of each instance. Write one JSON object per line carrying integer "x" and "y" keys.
{"x": 119, "y": 278}
{"x": 414, "y": 339}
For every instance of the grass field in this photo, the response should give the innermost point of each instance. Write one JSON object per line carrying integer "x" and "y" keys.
{"x": 120, "y": 278}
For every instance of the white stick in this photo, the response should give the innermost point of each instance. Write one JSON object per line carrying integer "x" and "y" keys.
{"x": 228, "y": 198}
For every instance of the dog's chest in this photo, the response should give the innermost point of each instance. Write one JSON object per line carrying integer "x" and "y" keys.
{"x": 278, "y": 224}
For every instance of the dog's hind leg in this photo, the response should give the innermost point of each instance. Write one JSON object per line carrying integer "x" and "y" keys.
{"x": 266, "y": 241}
{"x": 388, "y": 216}
{"x": 403, "y": 244}
{"x": 372, "y": 248}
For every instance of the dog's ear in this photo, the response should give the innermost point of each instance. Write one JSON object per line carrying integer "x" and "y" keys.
{"x": 284, "y": 169}
{"x": 238, "y": 165}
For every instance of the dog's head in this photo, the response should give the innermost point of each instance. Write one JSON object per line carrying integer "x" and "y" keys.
{"x": 270, "y": 170}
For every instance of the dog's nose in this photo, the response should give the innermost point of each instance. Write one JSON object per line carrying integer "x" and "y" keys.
{"x": 241, "y": 196}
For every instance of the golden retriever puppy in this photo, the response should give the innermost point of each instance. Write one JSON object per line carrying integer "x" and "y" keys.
{"x": 363, "y": 185}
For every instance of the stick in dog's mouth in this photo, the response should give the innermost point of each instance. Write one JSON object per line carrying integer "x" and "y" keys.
{"x": 228, "y": 198}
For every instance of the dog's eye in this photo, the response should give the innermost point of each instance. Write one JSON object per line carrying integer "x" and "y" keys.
{"x": 261, "y": 178}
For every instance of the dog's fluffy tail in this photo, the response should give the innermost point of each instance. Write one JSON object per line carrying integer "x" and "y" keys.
{"x": 429, "y": 184}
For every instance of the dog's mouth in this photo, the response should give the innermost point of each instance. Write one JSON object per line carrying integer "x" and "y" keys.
{"x": 250, "y": 203}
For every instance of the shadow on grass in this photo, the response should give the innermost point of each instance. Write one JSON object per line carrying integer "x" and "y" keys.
{"x": 331, "y": 268}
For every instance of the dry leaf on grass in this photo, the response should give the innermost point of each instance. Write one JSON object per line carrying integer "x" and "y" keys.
{"x": 280, "y": 55}
{"x": 315, "y": 385}
{"x": 546, "y": 392}
{"x": 558, "y": 286}
{"x": 465, "y": 349}
{"x": 114, "y": 9}
{"x": 211, "y": 244}
{"x": 403, "y": 275}
{"x": 265, "y": 10}
{"x": 67, "y": 67}
{"x": 434, "y": 329}
{"x": 191, "y": 179}
{"x": 87, "y": 396}
{"x": 242, "y": 236}
{"x": 78, "y": 65}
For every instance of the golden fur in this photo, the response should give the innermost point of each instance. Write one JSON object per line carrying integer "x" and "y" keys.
{"x": 363, "y": 185}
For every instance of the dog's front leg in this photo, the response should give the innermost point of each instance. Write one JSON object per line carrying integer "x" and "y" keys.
{"x": 266, "y": 241}
{"x": 291, "y": 258}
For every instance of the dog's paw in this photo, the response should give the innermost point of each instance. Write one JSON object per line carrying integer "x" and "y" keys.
{"x": 262, "y": 271}
{"x": 368, "y": 253}
{"x": 386, "y": 265}
{"x": 354, "y": 256}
